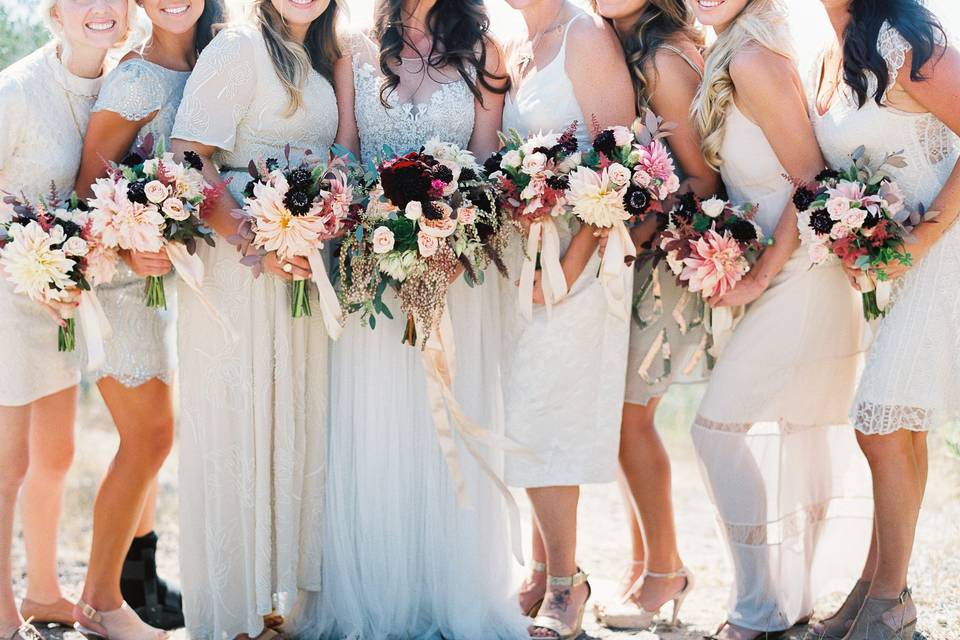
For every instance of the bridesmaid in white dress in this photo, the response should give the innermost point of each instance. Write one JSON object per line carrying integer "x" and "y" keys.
{"x": 771, "y": 433}
{"x": 140, "y": 97}
{"x": 888, "y": 83}
{"x": 663, "y": 48}
{"x": 564, "y": 372}
{"x": 38, "y": 384}
{"x": 402, "y": 557}
{"x": 253, "y": 435}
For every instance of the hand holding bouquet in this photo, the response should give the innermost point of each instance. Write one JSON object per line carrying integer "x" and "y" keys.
{"x": 430, "y": 214}
{"x": 533, "y": 179}
{"x": 858, "y": 216}
{"x": 50, "y": 255}
{"x": 627, "y": 176}
{"x": 294, "y": 212}
{"x": 149, "y": 203}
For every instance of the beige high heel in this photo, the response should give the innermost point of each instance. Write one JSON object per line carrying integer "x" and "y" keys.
{"x": 885, "y": 619}
{"x": 125, "y": 623}
{"x": 563, "y": 630}
{"x": 836, "y": 626}
{"x": 25, "y": 631}
{"x": 59, "y": 612}
{"x": 630, "y": 615}
{"x": 536, "y": 567}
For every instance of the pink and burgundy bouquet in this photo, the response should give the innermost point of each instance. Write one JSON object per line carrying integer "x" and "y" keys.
{"x": 50, "y": 254}
{"x": 148, "y": 203}
{"x": 858, "y": 216}
{"x": 626, "y": 177}
{"x": 430, "y": 214}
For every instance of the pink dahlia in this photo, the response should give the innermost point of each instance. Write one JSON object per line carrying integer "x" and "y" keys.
{"x": 715, "y": 264}
{"x": 656, "y": 161}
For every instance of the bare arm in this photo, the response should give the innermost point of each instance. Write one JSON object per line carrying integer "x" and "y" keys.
{"x": 489, "y": 108}
{"x": 348, "y": 135}
{"x": 769, "y": 92}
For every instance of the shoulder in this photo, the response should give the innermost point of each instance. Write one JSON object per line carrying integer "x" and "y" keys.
{"x": 130, "y": 71}
{"x": 588, "y": 32}
{"x": 675, "y": 60}
{"x": 239, "y": 37}
{"x": 30, "y": 68}
{"x": 758, "y": 71}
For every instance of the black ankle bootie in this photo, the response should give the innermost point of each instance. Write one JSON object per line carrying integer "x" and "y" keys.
{"x": 157, "y": 603}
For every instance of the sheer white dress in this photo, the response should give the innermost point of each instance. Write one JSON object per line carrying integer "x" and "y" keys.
{"x": 402, "y": 559}
{"x": 142, "y": 345}
{"x": 779, "y": 459}
{"x": 912, "y": 375}
{"x": 564, "y": 371}
{"x": 44, "y": 111}
{"x": 253, "y": 417}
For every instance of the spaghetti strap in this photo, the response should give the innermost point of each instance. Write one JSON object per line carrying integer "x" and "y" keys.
{"x": 566, "y": 29}
{"x": 684, "y": 57}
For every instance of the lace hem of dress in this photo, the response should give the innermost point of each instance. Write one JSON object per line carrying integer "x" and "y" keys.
{"x": 794, "y": 524}
{"x": 131, "y": 381}
{"x": 783, "y": 427}
{"x": 882, "y": 419}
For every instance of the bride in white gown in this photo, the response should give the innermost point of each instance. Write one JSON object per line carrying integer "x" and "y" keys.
{"x": 401, "y": 557}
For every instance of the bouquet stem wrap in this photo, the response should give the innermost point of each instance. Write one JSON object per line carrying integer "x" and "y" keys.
{"x": 876, "y": 295}
{"x": 543, "y": 238}
{"x": 329, "y": 303}
{"x": 190, "y": 269}
{"x": 439, "y": 362}
{"x": 96, "y": 329}
{"x": 722, "y": 322}
{"x": 612, "y": 265}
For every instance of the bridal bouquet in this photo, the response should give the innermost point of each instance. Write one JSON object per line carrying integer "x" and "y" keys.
{"x": 429, "y": 215}
{"x": 149, "y": 202}
{"x": 532, "y": 176}
{"x": 295, "y": 211}
{"x": 50, "y": 254}
{"x": 858, "y": 216}
{"x": 625, "y": 177}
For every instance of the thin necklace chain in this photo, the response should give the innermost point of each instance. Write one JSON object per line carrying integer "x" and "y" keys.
{"x": 528, "y": 53}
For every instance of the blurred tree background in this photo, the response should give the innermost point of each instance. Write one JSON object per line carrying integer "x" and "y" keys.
{"x": 18, "y": 36}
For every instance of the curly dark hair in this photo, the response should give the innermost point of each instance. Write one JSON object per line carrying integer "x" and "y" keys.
{"x": 459, "y": 31}
{"x": 910, "y": 18}
{"x": 213, "y": 17}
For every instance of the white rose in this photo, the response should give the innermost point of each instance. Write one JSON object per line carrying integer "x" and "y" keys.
{"x": 156, "y": 191}
{"x": 713, "y": 207}
{"x": 57, "y": 235}
{"x": 818, "y": 253}
{"x": 622, "y": 136}
{"x": 837, "y": 207}
{"x": 76, "y": 246}
{"x": 641, "y": 178}
{"x": 619, "y": 174}
{"x": 413, "y": 210}
{"x": 466, "y": 215}
{"x": 427, "y": 244}
{"x": 382, "y": 240}
{"x": 854, "y": 217}
{"x": 175, "y": 210}
{"x": 512, "y": 160}
{"x": 534, "y": 163}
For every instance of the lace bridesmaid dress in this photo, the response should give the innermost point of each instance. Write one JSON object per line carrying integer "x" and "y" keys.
{"x": 253, "y": 418}
{"x": 564, "y": 371}
{"x": 142, "y": 345}
{"x": 772, "y": 437}
{"x": 43, "y": 115}
{"x": 402, "y": 558}
{"x": 912, "y": 375}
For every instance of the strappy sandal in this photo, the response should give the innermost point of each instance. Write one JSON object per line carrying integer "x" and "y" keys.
{"x": 25, "y": 631}
{"x": 59, "y": 612}
{"x": 836, "y": 626}
{"x": 885, "y": 619}
{"x": 563, "y": 630}
{"x": 536, "y": 567}
{"x": 126, "y": 624}
{"x": 630, "y": 615}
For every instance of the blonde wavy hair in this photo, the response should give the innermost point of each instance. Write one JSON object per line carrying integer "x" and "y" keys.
{"x": 134, "y": 32}
{"x": 763, "y": 23}
{"x": 291, "y": 60}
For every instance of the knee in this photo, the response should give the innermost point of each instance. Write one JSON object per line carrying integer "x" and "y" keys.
{"x": 150, "y": 443}
{"x": 53, "y": 461}
{"x": 12, "y": 474}
{"x": 887, "y": 448}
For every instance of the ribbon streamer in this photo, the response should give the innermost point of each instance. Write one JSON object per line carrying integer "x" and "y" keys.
{"x": 612, "y": 265}
{"x": 329, "y": 304}
{"x": 439, "y": 361}
{"x": 190, "y": 269}
{"x": 543, "y": 238}
{"x": 722, "y": 322}
{"x": 867, "y": 283}
{"x": 95, "y": 327}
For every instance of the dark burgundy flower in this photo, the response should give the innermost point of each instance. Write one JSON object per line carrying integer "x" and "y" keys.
{"x": 272, "y": 164}
{"x": 431, "y": 211}
{"x": 136, "y": 192}
{"x": 193, "y": 160}
{"x": 803, "y": 198}
{"x": 605, "y": 143}
{"x": 741, "y": 230}
{"x": 544, "y": 150}
{"x": 687, "y": 207}
{"x": 132, "y": 159}
{"x": 492, "y": 164}
{"x": 827, "y": 174}
{"x": 558, "y": 183}
{"x": 821, "y": 222}
{"x": 443, "y": 172}
{"x": 300, "y": 178}
{"x": 636, "y": 200}
{"x": 569, "y": 140}
{"x": 467, "y": 175}
{"x": 871, "y": 221}
{"x": 406, "y": 180}
{"x": 298, "y": 202}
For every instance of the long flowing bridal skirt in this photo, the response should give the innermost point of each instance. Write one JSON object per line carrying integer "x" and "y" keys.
{"x": 252, "y": 449}
{"x": 402, "y": 559}
{"x": 778, "y": 455}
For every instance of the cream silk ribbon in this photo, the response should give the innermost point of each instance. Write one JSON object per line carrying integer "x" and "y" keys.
{"x": 95, "y": 327}
{"x": 867, "y": 283}
{"x": 190, "y": 269}
{"x": 612, "y": 265}
{"x": 439, "y": 363}
{"x": 329, "y": 303}
{"x": 542, "y": 237}
{"x": 722, "y": 322}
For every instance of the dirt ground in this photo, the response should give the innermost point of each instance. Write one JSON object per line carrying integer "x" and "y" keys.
{"x": 935, "y": 576}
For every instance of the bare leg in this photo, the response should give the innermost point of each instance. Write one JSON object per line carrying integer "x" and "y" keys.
{"x": 556, "y": 514}
{"x": 148, "y": 519}
{"x": 897, "y": 495}
{"x": 535, "y": 584}
{"x": 144, "y": 419}
{"x": 646, "y": 467}
{"x": 51, "y": 447}
{"x": 14, "y": 458}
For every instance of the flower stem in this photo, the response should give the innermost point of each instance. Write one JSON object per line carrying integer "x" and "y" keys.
{"x": 410, "y": 332}
{"x": 871, "y": 310}
{"x": 156, "y": 295}
{"x": 66, "y": 336}
{"x": 300, "y": 299}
